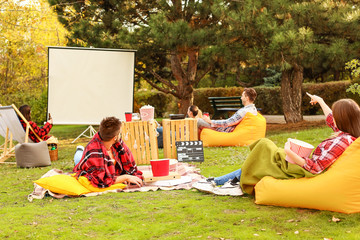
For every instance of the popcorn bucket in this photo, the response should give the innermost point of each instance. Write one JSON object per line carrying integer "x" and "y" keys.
{"x": 147, "y": 113}
{"x": 301, "y": 148}
{"x": 160, "y": 167}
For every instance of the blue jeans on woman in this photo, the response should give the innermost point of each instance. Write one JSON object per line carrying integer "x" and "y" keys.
{"x": 223, "y": 179}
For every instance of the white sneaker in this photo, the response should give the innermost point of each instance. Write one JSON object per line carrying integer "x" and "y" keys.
{"x": 205, "y": 185}
{"x": 229, "y": 188}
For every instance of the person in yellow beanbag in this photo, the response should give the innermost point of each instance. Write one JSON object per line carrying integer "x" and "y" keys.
{"x": 266, "y": 159}
{"x": 107, "y": 160}
{"x": 228, "y": 125}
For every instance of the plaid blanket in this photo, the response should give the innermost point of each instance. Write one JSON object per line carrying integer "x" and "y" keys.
{"x": 184, "y": 169}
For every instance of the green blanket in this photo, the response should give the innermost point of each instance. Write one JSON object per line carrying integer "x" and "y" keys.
{"x": 266, "y": 159}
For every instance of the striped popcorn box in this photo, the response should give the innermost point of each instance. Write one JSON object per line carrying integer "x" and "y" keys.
{"x": 301, "y": 148}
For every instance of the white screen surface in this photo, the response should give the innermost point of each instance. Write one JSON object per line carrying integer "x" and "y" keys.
{"x": 87, "y": 84}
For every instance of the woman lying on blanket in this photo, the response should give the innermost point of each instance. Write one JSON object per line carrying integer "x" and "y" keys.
{"x": 266, "y": 159}
{"x": 42, "y": 132}
{"x": 107, "y": 160}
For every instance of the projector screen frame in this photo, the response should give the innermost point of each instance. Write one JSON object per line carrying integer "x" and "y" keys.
{"x": 131, "y": 108}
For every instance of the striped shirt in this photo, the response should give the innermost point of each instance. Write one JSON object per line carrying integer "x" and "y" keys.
{"x": 228, "y": 125}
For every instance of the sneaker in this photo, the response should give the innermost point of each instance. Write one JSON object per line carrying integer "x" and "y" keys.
{"x": 206, "y": 185}
{"x": 229, "y": 188}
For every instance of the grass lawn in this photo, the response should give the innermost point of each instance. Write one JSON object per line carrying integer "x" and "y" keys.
{"x": 163, "y": 214}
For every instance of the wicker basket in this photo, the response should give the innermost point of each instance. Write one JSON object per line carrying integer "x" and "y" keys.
{"x": 53, "y": 154}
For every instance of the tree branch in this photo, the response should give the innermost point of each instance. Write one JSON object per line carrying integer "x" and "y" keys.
{"x": 163, "y": 81}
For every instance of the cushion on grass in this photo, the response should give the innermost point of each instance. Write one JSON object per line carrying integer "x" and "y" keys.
{"x": 32, "y": 155}
{"x": 338, "y": 189}
{"x": 87, "y": 184}
{"x": 250, "y": 129}
{"x": 62, "y": 184}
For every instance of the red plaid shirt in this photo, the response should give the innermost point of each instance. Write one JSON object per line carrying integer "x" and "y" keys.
{"x": 328, "y": 150}
{"x": 40, "y": 131}
{"x": 97, "y": 166}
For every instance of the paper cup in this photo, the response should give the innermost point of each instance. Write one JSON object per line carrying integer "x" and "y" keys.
{"x": 160, "y": 167}
{"x": 147, "y": 113}
{"x": 301, "y": 148}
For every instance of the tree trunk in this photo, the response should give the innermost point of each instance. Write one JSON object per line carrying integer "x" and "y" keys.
{"x": 291, "y": 85}
{"x": 186, "y": 79}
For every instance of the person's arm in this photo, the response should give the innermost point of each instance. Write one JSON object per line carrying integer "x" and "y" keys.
{"x": 126, "y": 179}
{"x": 233, "y": 120}
{"x": 293, "y": 156}
{"x": 41, "y": 131}
{"x": 127, "y": 161}
{"x": 316, "y": 99}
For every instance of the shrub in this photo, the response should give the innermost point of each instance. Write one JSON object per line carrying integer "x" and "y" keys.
{"x": 268, "y": 99}
{"x": 163, "y": 103}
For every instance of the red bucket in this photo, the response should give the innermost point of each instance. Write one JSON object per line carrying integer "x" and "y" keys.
{"x": 160, "y": 167}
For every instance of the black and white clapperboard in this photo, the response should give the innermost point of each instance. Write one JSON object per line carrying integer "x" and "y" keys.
{"x": 190, "y": 151}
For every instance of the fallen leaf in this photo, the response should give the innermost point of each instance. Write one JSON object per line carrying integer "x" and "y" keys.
{"x": 256, "y": 235}
{"x": 291, "y": 220}
{"x": 334, "y": 219}
{"x": 263, "y": 229}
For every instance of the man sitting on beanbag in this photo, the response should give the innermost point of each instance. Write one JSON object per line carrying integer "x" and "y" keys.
{"x": 228, "y": 125}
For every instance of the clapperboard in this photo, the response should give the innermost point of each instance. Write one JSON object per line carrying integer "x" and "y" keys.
{"x": 190, "y": 151}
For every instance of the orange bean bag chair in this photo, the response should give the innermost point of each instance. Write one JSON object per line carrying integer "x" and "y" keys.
{"x": 250, "y": 129}
{"x": 337, "y": 189}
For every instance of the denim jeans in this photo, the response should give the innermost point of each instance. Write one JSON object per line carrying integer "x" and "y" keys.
{"x": 223, "y": 179}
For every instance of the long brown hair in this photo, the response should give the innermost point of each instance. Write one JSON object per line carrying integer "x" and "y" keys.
{"x": 195, "y": 111}
{"x": 25, "y": 111}
{"x": 346, "y": 113}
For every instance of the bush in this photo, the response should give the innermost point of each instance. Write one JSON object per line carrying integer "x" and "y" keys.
{"x": 268, "y": 99}
{"x": 38, "y": 103}
{"x": 163, "y": 103}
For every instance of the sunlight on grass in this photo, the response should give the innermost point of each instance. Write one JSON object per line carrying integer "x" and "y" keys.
{"x": 162, "y": 214}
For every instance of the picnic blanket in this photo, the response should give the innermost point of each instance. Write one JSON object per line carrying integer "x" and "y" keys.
{"x": 266, "y": 159}
{"x": 189, "y": 175}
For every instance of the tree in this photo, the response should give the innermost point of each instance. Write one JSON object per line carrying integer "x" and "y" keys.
{"x": 26, "y": 28}
{"x": 295, "y": 35}
{"x": 177, "y": 42}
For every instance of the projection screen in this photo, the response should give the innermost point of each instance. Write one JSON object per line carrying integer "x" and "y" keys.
{"x": 87, "y": 84}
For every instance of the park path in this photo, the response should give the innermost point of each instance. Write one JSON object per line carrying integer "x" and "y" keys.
{"x": 281, "y": 119}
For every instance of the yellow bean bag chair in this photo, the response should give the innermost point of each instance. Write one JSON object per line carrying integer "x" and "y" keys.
{"x": 338, "y": 189}
{"x": 250, "y": 129}
{"x": 69, "y": 185}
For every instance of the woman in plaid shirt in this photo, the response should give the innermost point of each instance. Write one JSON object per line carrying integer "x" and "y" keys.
{"x": 42, "y": 132}
{"x": 107, "y": 160}
{"x": 343, "y": 118}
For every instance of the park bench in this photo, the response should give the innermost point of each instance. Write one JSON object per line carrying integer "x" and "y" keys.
{"x": 224, "y": 105}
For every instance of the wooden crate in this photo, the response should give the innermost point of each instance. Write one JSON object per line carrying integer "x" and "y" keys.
{"x": 141, "y": 138}
{"x": 178, "y": 130}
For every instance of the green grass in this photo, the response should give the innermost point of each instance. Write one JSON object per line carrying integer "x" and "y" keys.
{"x": 162, "y": 214}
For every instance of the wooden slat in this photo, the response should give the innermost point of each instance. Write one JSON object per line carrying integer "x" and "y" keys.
{"x": 141, "y": 146}
{"x": 166, "y": 137}
{"x": 147, "y": 142}
{"x": 173, "y": 138}
{"x": 153, "y": 141}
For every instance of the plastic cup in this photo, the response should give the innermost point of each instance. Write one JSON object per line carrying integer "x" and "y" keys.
{"x": 206, "y": 114}
{"x": 160, "y": 167}
{"x": 301, "y": 148}
{"x": 128, "y": 116}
